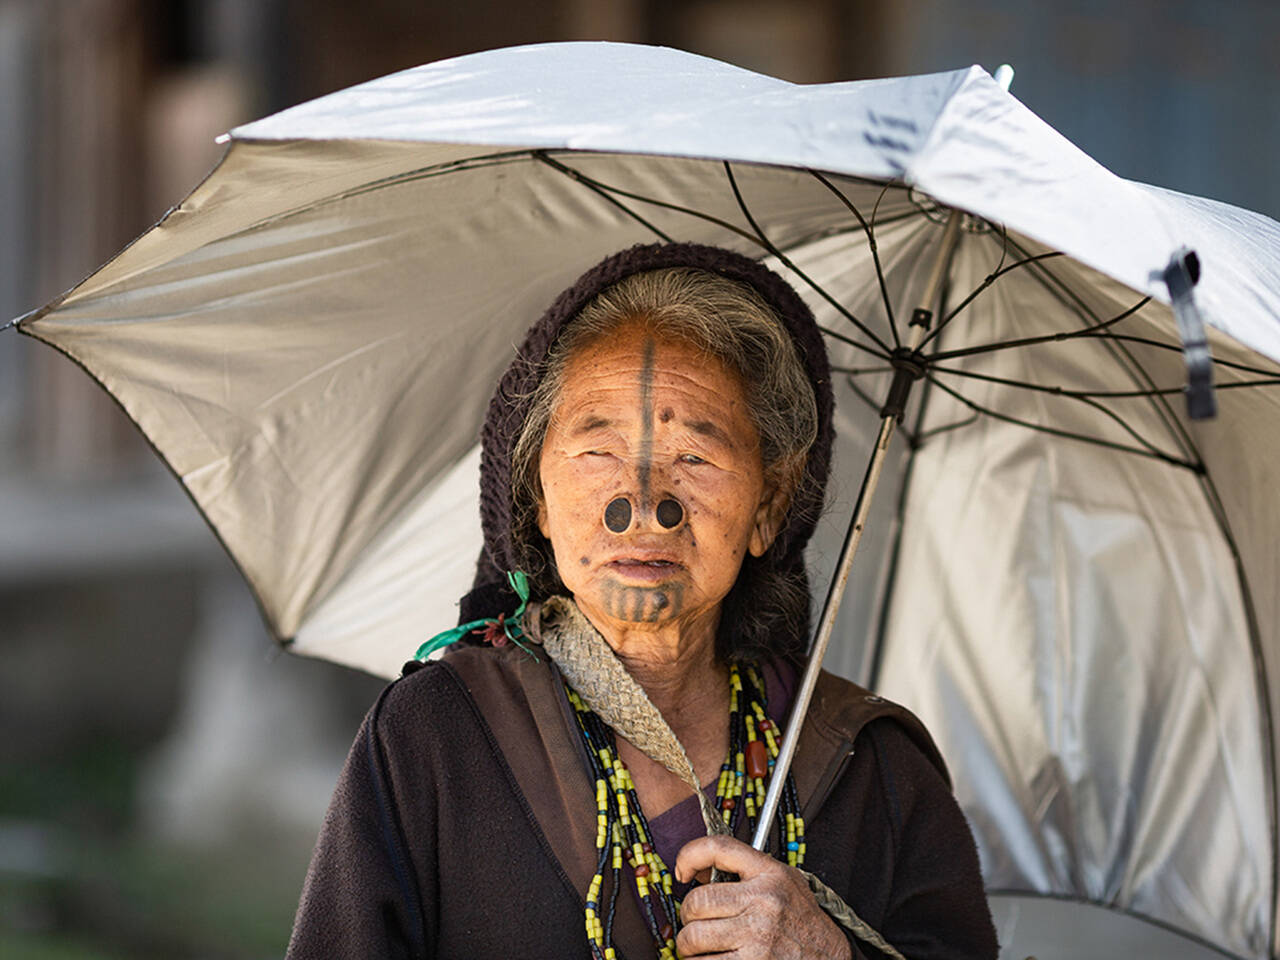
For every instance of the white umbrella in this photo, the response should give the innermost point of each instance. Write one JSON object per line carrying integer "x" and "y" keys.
{"x": 1071, "y": 583}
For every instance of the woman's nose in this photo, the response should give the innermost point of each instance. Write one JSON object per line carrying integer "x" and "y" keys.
{"x": 619, "y": 514}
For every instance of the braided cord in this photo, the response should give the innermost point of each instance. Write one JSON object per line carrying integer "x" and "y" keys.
{"x": 843, "y": 914}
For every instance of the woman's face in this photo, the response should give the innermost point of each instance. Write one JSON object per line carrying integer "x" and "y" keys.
{"x": 653, "y": 486}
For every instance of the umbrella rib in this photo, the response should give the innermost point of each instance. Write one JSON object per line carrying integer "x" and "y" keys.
{"x": 1082, "y": 394}
{"x": 1090, "y": 331}
{"x": 604, "y": 194}
{"x": 790, "y": 265}
{"x": 1004, "y": 245}
{"x": 758, "y": 240}
{"x": 861, "y": 371}
{"x": 1177, "y": 348}
{"x": 463, "y": 165}
{"x": 869, "y": 230}
{"x": 946, "y": 427}
{"x": 875, "y": 213}
{"x": 987, "y": 282}
{"x": 836, "y": 335}
{"x": 1147, "y": 450}
{"x": 1057, "y": 288}
{"x": 604, "y": 188}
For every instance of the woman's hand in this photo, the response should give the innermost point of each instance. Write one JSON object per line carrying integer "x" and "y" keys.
{"x": 768, "y": 913}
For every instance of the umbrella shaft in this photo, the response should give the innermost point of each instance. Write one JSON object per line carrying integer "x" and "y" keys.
{"x": 826, "y": 626}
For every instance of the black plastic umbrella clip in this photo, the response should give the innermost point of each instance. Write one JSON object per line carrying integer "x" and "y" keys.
{"x": 1181, "y": 276}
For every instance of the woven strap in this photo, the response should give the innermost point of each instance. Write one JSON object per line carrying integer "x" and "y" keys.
{"x": 603, "y": 683}
{"x": 843, "y": 914}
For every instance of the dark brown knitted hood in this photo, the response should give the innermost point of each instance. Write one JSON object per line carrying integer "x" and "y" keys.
{"x": 510, "y": 405}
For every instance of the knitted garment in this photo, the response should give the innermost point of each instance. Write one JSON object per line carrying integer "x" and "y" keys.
{"x": 509, "y": 407}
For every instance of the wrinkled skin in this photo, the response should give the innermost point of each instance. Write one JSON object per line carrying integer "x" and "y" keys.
{"x": 649, "y": 419}
{"x": 646, "y": 421}
{"x": 768, "y": 913}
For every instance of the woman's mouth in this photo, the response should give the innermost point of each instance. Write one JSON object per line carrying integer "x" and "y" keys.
{"x": 639, "y": 569}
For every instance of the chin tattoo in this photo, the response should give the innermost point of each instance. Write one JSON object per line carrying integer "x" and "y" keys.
{"x": 642, "y": 604}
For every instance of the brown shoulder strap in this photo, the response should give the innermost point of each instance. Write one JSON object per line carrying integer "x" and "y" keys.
{"x": 523, "y": 702}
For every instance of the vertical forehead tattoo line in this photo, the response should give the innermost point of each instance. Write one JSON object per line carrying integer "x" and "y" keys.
{"x": 646, "y": 422}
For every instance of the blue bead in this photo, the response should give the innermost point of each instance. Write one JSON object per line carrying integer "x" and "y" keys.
{"x": 793, "y": 845}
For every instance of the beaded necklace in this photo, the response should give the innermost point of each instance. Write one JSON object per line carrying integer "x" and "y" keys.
{"x": 622, "y": 831}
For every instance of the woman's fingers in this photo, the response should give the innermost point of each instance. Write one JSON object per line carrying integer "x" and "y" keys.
{"x": 714, "y": 901}
{"x": 723, "y": 853}
{"x": 769, "y": 912}
{"x": 709, "y": 937}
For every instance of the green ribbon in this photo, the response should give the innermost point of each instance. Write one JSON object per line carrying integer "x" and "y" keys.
{"x": 510, "y": 625}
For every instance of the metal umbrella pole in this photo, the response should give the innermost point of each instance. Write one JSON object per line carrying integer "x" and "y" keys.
{"x": 907, "y": 369}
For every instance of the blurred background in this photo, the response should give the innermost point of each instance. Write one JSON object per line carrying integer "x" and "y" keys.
{"x": 163, "y": 768}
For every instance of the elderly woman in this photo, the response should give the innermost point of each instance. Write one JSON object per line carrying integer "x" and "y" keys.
{"x": 653, "y": 464}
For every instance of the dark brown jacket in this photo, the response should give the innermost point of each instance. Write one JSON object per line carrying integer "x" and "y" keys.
{"x": 464, "y": 825}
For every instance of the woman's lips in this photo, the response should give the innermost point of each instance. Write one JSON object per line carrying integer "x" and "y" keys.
{"x": 639, "y": 570}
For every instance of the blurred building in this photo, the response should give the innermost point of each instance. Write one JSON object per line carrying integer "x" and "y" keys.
{"x": 124, "y": 632}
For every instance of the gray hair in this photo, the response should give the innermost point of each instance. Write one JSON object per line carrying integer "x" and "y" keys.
{"x": 728, "y": 320}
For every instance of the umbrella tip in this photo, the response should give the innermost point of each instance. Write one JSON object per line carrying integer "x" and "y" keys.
{"x": 1003, "y": 76}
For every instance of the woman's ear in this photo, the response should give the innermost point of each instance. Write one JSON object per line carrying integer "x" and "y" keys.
{"x": 543, "y": 526}
{"x": 770, "y": 514}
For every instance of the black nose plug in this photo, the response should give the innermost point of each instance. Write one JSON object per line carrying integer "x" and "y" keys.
{"x": 669, "y": 513}
{"x": 617, "y": 515}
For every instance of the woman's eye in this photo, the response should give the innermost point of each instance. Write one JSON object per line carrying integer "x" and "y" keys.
{"x": 691, "y": 458}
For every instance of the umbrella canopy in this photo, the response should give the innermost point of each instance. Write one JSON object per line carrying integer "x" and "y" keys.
{"x": 1070, "y": 582}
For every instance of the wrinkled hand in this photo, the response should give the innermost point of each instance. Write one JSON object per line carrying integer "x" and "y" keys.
{"x": 768, "y": 912}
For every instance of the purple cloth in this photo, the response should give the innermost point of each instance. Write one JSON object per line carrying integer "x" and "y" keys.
{"x": 675, "y": 827}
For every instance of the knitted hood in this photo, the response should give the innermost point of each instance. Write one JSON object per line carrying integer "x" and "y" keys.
{"x": 490, "y": 592}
